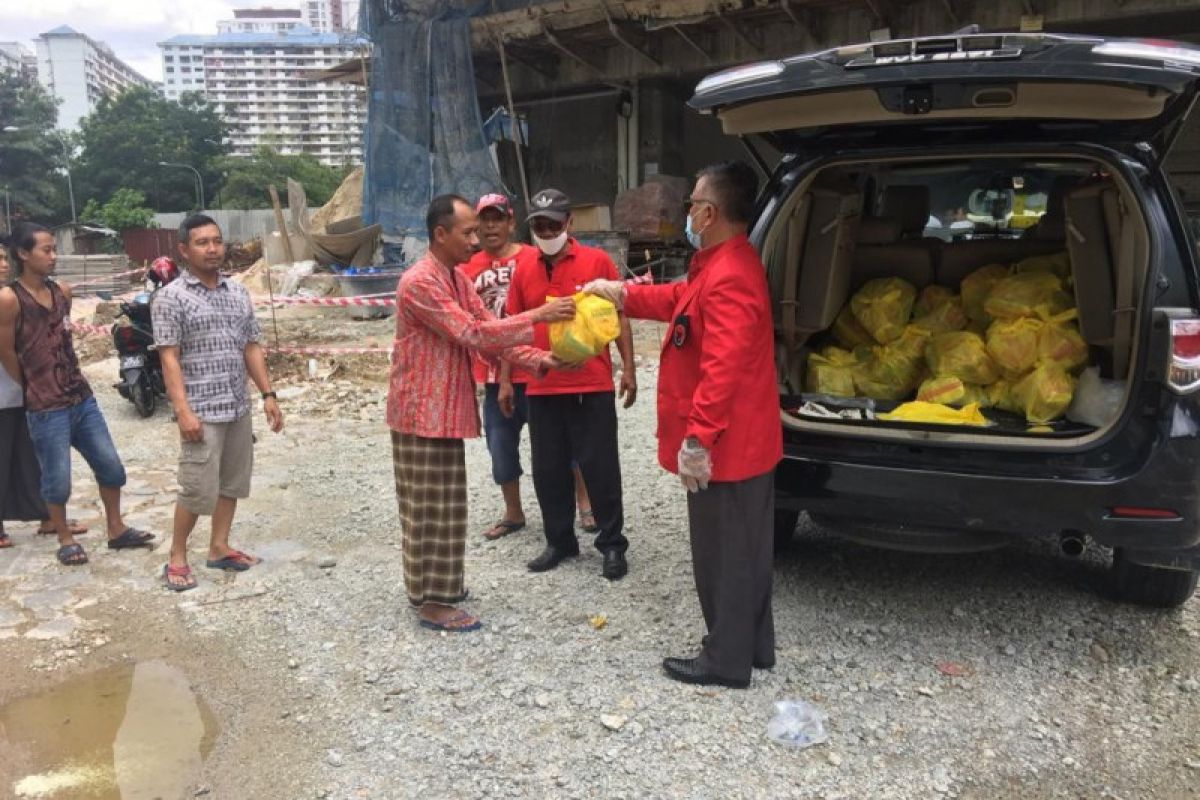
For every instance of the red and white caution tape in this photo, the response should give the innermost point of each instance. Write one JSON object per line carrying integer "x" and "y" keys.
{"x": 328, "y": 301}
{"x": 89, "y": 330}
{"x": 329, "y": 350}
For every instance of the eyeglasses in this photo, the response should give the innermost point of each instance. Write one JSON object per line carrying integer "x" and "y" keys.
{"x": 691, "y": 203}
{"x": 545, "y": 225}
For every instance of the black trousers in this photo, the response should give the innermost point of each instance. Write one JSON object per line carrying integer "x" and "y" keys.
{"x": 733, "y": 541}
{"x": 20, "y": 477}
{"x": 580, "y": 428}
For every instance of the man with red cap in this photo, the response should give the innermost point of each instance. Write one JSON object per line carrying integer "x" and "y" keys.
{"x": 718, "y": 422}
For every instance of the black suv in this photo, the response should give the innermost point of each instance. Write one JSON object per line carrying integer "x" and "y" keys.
{"x": 955, "y": 162}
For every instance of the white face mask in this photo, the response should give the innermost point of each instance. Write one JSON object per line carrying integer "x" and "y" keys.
{"x": 551, "y": 247}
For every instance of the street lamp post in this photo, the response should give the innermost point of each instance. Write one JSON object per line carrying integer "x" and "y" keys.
{"x": 70, "y": 187}
{"x": 199, "y": 180}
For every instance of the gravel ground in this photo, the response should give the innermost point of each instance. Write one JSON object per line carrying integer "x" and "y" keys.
{"x": 324, "y": 686}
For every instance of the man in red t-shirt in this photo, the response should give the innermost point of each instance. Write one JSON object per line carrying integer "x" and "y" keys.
{"x": 572, "y": 413}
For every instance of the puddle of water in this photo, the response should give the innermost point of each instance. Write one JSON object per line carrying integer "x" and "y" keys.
{"x": 131, "y": 733}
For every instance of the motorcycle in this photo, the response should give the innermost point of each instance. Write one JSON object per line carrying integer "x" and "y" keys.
{"x": 140, "y": 367}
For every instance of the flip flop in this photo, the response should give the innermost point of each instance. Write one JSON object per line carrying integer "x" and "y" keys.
{"x": 501, "y": 529}
{"x": 5, "y": 541}
{"x": 72, "y": 525}
{"x": 130, "y": 538}
{"x": 236, "y": 561}
{"x": 72, "y": 555}
{"x": 178, "y": 572}
{"x": 450, "y": 626}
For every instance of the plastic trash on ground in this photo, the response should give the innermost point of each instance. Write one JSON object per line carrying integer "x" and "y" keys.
{"x": 883, "y": 307}
{"x": 848, "y": 332}
{"x": 797, "y": 724}
{"x": 963, "y": 355}
{"x": 1013, "y": 343}
{"x": 1044, "y": 394}
{"x": 918, "y": 411}
{"x": 975, "y": 289}
{"x": 1097, "y": 400}
{"x": 596, "y": 323}
{"x": 1027, "y": 294}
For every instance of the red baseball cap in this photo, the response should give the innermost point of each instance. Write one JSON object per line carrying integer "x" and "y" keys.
{"x": 494, "y": 200}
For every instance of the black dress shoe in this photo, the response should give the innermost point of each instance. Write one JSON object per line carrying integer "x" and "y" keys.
{"x": 615, "y": 566}
{"x": 688, "y": 670}
{"x": 550, "y": 558}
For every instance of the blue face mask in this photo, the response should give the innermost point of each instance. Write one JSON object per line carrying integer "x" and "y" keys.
{"x": 692, "y": 236}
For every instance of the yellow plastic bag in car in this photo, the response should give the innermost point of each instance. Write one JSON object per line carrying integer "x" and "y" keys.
{"x": 963, "y": 355}
{"x": 938, "y": 310}
{"x": 596, "y": 323}
{"x": 888, "y": 372}
{"x": 1028, "y": 294}
{"x": 1060, "y": 344}
{"x": 1045, "y": 393}
{"x": 918, "y": 411}
{"x": 974, "y": 394}
{"x": 976, "y": 287}
{"x": 1057, "y": 264}
{"x": 883, "y": 307}
{"x": 945, "y": 389}
{"x": 999, "y": 395}
{"x": 831, "y": 372}
{"x": 1013, "y": 344}
{"x": 848, "y": 332}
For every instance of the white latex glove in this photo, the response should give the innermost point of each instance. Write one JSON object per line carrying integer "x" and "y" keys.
{"x": 612, "y": 291}
{"x": 695, "y": 465}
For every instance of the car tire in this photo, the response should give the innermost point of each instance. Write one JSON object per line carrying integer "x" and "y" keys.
{"x": 786, "y": 520}
{"x": 1159, "y": 587}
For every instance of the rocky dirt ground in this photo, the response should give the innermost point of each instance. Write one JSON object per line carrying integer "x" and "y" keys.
{"x": 1006, "y": 674}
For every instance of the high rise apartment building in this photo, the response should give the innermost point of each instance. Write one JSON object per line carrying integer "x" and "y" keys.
{"x": 262, "y": 20}
{"x": 15, "y": 57}
{"x": 79, "y": 71}
{"x": 258, "y": 83}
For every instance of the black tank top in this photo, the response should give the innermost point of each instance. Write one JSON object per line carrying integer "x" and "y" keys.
{"x": 46, "y": 353}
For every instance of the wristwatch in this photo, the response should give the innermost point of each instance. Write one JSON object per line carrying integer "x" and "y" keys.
{"x": 271, "y": 395}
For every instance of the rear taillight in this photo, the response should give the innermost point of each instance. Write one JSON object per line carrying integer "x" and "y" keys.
{"x": 1141, "y": 512}
{"x": 126, "y": 337}
{"x": 1183, "y": 374}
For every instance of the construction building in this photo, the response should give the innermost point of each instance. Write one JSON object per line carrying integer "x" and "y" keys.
{"x": 79, "y": 71}
{"x": 257, "y": 82}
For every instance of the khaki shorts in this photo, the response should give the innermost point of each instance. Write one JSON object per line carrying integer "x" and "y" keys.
{"x": 219, "y": 466}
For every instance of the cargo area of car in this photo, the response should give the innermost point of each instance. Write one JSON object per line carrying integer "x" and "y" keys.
{"x": 1005, "y": 293}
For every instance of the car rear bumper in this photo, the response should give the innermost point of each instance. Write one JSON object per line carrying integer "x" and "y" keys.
{"x": 1031, "y": 507}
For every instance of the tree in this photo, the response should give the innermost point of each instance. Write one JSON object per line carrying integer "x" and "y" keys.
{"x": 247, "y": 179}
{"x": 31, "y": 152}
{"x": 127, "y": 136}
{"x": 124, "y": 210}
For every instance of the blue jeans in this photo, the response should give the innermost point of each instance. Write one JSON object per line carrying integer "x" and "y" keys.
{"x": 504, "y": 433}
{"x": 81, "y": 426}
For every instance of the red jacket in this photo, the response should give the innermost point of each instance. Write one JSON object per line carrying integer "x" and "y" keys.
{"x": 717, "y": 370}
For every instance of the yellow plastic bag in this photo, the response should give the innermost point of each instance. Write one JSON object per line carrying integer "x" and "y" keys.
{"x": 848, "y": 332}
{"x": 973, "y": 393}
{"x": 938, "y": 310}
{"x": 963, "y": 355}
{"x": 999, "y": 395}
{"x": 596, "y": 323}
{"x": 1013, "y": 344}
{"x": 918, "y": 411}
{"x": 976, "y": 287}
{"x": 883, "y": 307}
{"x": 1044, "y": 394}
{"x": 890, "y": 372}
{"x": 1028, "y": 294}
{"x": 1057, "y": 264}
{"x": 945, "y": 389}
{"x": 1060, "y": 344}
{"x": 831, "y": 372}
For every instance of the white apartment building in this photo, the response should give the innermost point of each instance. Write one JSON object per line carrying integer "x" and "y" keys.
{"x": 258, "y": 83}
{"x": 79, "y": 71}
{"x": 15, "y": 57}
{"x": 325, "y": 16}
{"x": 262, "y": 20}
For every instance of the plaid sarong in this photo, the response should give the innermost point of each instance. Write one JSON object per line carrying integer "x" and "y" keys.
{"x": 431, "y": 487}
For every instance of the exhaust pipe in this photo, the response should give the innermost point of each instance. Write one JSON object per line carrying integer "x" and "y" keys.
{"x": 1072, "y": 543}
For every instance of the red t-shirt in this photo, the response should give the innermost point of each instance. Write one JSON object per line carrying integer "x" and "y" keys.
{"x": 531, "y": 286}
{"x": 491, "y": 278}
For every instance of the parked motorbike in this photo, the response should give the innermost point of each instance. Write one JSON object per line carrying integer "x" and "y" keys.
{"x": 140, "y": 367}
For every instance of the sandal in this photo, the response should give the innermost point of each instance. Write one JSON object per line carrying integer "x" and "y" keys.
{"x": 130, "y": 538}
{"x": 235, "y": 561}
{"x": 460, "y": 622}
{"x": 73, "y": 526}
{"x": 5, "y": 541}
{"x": 184, "y": 572}
{"x": 501, "y": 529}
{"x": 72, "y": 555}
{"x": 587, "y": 520}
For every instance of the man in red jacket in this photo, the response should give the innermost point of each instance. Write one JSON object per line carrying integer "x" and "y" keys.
{"x": 718, "y": 422}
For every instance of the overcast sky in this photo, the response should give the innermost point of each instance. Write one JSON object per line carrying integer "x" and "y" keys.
{"x": 132, "y": 28}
